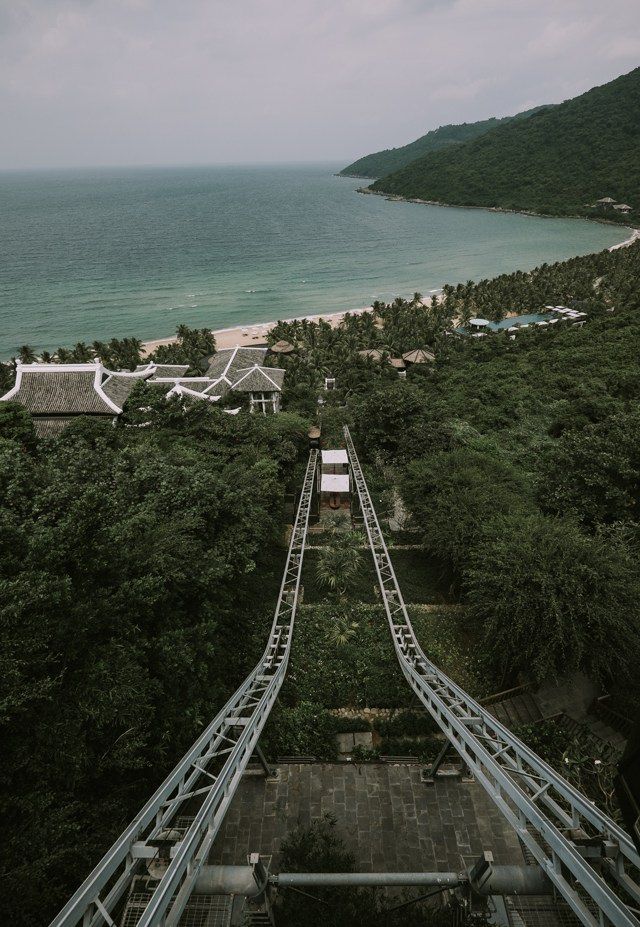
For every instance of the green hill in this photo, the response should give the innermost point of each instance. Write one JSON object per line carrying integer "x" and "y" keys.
{"x": 385, "y": 162}
{"x": 558, "y": 161}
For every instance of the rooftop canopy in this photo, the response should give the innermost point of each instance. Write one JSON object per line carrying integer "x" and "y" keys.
{"x": 335, "y": 457}
{"x": 372, "y": 353}
{"x": 479, "y": 322}
{"x": 331, "y": 482}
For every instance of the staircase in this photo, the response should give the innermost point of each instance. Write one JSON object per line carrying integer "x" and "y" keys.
{"x": 514, "y": 706}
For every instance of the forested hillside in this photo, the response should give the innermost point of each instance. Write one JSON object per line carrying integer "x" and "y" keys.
{"x": 518, "y": 460}
{"x": 134, "y": 559}
{"x": 139, "y": 562}
{"x": 384, "y": 162}
{"x": 559, "y": 161}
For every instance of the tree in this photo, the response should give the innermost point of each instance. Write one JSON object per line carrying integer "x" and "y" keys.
{"x": 26, "y": 354}
{"x": 16, "y": 424}
{"x": 451, "y": 495}
{"x": 342, "y": 630}
{"x": 191, "y": 347}
{"x": 552, "y": 600}
{"x": 593, "y": 474}
{"x": 337, "y": 567}
{"x": 321, "y": 848}
{"x": 128, "y": 557}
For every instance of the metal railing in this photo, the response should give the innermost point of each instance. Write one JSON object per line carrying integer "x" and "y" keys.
{"x": 208, "y": 774}
{"x": 564, "y": 831}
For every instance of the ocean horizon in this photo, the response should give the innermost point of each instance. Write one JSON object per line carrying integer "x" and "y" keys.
{"x": 94, "y": 253}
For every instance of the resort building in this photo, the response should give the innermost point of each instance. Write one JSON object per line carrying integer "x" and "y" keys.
{"x": 239, "y": 371}
{"x": 55, "y": 394}
{"x": 623, "y": 208}
{"x": 552, "y": 315}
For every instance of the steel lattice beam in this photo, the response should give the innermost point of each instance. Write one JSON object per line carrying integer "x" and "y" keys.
{"x": 210, "y": 770}
{"x": 542, "y": 807}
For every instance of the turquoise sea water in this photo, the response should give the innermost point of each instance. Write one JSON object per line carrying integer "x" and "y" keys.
{"x": 95, "y": 254}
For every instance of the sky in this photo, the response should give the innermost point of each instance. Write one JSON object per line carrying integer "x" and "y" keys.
{"x": 127, "y": 82}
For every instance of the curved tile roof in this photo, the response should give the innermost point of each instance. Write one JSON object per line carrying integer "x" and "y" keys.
{"x": 62, "y": 389}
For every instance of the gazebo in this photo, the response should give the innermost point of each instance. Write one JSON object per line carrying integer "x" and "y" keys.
{"x": 282, "y": 347}
{"x": 398, "y": 364}
{"x": 418, "y": 356}
{"x": 371, "y": 353}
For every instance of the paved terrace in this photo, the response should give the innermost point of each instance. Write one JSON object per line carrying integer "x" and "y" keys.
{"x": 388, "y": 818}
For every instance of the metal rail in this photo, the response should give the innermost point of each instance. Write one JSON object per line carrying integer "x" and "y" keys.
{"x": 561, "y": 827}
{"x": 209, "y": 773}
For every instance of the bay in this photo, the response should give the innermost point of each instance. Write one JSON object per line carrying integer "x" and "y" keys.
{"x": 94, "y": 254}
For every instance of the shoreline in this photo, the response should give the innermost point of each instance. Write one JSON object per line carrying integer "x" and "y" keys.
{"x": 254, "y": 334}
{"x": 398, "y": 198}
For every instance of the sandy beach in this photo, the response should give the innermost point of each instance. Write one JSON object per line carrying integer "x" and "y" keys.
{"x": 255, "y": 334}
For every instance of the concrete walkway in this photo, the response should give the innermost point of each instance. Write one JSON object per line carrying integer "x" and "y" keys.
{"x": 389, "y": 819}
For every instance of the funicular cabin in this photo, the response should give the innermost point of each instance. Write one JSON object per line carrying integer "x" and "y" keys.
{"x": 334, "y": 480}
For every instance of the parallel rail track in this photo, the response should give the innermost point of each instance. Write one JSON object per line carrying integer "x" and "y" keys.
{"x": 208, "y": 775}
{"x": 563, "y": 830}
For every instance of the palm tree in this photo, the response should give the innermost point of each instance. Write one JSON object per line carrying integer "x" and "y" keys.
{"x": 82, "y": 353}
{"x": 342, "y": 631}
{"x": 337, "y": 567}
{"x": 26, "y": 354}
{"x": 46, "y": 357}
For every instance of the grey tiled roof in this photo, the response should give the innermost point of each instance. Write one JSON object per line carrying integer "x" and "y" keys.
{"x": 258, "y": 379}
{"x": 118, "y": 387}
{"x": 51, "y": 427}
{"x": 227, "y": 363}
{"x": 60, "y": 391}
{"x": 170, "y": 370}
{"x": 197, "y": 384}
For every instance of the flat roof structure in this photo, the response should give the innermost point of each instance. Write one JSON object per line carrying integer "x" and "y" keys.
{"x": 334, "y": 482}
{"x": 335, "y": 457}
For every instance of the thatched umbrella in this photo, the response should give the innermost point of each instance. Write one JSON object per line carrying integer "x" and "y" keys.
{"x": 397, "y": 362}
{"x": 418, "y": 356}
{"x": 372, "y": 353}
{"x": 282, "y": 347}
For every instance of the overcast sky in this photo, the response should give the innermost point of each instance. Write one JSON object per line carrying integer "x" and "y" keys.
{"x": 93, "y": 82}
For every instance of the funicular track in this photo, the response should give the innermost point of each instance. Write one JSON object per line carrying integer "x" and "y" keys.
{"x": 589, "y": 859}
{"x": 206, "y": 777}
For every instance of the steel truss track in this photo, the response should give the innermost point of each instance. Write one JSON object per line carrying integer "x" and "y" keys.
{"x": 209, "y": 773}
{"x": 562, "y": 829}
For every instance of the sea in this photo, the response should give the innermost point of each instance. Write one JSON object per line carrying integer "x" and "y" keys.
{"x": 101, "y": 253}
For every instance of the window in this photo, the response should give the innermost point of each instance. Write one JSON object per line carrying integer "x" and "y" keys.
{"x": 265, "y": 403}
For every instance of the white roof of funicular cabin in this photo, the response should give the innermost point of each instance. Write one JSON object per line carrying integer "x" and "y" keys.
{"x": 333, "y": 482}
{"x": 335, "y": 457}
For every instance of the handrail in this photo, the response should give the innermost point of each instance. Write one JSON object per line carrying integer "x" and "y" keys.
{"x": 542, "y": 807}
{"x": 230, "y": 738}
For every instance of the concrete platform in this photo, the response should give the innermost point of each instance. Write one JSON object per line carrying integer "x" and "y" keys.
{"x": 388, "y": 818}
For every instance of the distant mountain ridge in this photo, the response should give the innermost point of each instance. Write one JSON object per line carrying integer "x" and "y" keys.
{"x": 559, "y": 161}
{"x": 385, "y": 162}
